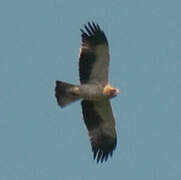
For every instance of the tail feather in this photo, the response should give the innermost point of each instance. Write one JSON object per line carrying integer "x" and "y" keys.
{"x": 65, "y": 93}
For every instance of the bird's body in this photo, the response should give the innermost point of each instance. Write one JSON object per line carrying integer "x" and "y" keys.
{"x": 94, "y": 90}
{"x": 91, "y": 91}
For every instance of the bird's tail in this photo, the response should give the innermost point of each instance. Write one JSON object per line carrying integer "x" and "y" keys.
{"x": 66, "y": 93}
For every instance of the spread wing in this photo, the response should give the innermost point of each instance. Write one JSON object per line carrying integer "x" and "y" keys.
{"x": 94, "y": 55}
{"x": 100, "y": 123}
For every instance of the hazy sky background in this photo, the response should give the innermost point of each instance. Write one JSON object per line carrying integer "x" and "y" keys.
{"x": 39, "y": 43}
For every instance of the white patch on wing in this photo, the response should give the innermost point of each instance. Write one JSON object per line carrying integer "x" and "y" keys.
{"x": 84, "y": 47}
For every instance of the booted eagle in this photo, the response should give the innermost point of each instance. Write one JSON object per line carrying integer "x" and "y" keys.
{"x": 94, "y": 91}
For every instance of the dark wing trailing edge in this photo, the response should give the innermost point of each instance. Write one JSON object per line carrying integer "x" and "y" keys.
{"x": 100, "y": 123}
{"x": 94, "y": 55}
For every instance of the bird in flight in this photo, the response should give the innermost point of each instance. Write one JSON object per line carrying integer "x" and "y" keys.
{"x": 94, "y": 91}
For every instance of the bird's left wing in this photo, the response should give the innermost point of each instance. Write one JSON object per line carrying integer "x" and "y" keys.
{"x": 100, "y": 123}
{"x": 94, "y": 55}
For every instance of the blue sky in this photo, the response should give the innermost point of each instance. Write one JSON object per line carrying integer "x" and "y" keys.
{"x": 39, "y": 43}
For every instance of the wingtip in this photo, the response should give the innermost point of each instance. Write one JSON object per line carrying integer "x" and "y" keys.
{"x": 91, "y": 26}
{"x": 102, "y": 152}
{"x": 101, "y": 155}
{"x": 92, "y": 33}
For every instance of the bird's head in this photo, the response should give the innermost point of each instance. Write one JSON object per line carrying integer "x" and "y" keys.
{"x": 110, "y": 91}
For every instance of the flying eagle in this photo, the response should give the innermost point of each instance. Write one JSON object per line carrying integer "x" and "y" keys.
{"x": 94, "y": 91}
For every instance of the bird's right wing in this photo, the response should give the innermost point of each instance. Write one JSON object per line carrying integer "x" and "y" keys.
{"x": 100, "y": 123}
